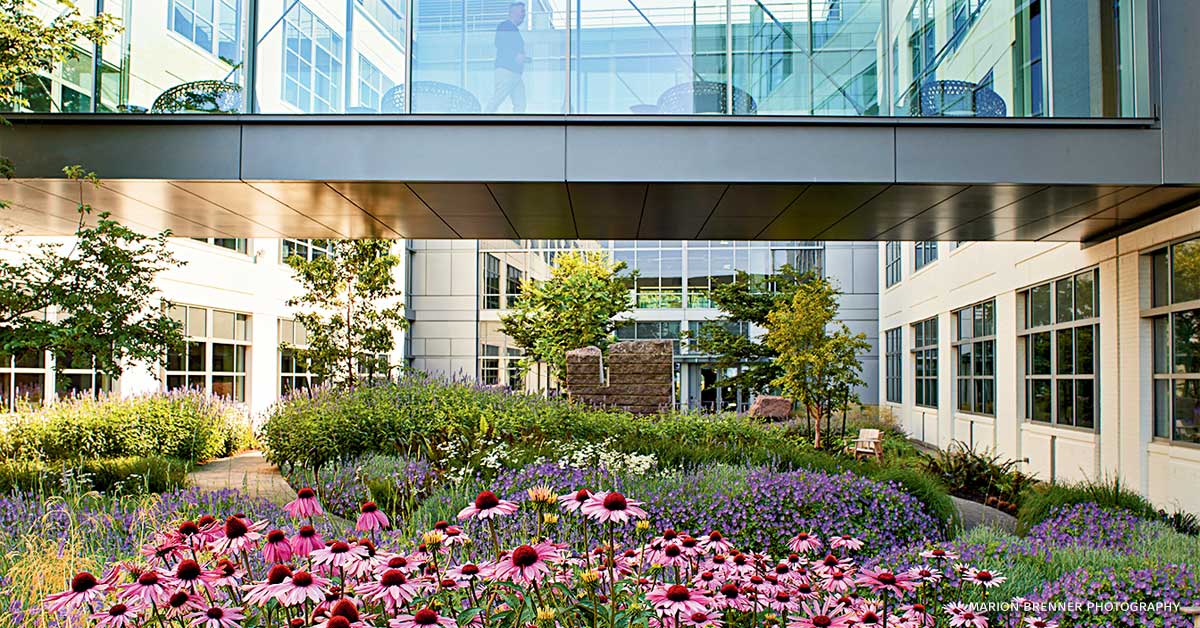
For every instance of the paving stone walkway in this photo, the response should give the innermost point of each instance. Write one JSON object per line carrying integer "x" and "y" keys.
{"x": 975, "y": 514}
{"x": 247, "y": 472}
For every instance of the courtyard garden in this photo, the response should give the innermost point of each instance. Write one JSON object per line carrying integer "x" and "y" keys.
{"x": 432, "y": 503}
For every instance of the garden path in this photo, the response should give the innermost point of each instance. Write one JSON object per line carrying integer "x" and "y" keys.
{"x": 248, "y": 472}
{"x": 975, "y": 514}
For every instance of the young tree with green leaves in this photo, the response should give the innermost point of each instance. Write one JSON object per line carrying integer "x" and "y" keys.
{"x": 745, "y": 303}
{"x": 577, "y": 306}
{"x": 92, "y": 296}
{"x": 351, "y": 308}
{"x": 817, "y": 356}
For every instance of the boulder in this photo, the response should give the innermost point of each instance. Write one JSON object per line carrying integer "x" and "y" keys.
{"x": 771, "y": 407}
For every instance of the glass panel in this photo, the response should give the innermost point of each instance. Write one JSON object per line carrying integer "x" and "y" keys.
{"x": 989, "y": 318}
{"x": 1187, "y": 411}
{"x": 1161, "y": 274}
{"x": 1065, "y": 402}
{"x": 1162, "y": 344}
{"x": 175, "y": 358}
{"x": 196, "y": 358}
{"x": 1039, "y": 306}
{"x": 29, "y": 387}
{"x": 506, "y": 57}
{"x": 1186, "y": 338}
{"x": 1085, "y": 403}
{"x": 241, "y": 327}
{"x": 196, "y": 322}
{"x": 175, "y": 382}
{"x": 1162, "y": 408}
{"x": 1065, "y": 353}
{"x": 1064, "y": 292}
{"x": 1085, "y": 295}
{"x": 223, "y": 386}
{"x": 964, "y": 394}
{"x": 1039, "y": 362}
{"x": 1041, "y": 400}
{"x": 964, "y": 360}
{"x": 222, "y": 324}
{"x": 30, "y": 359}
{"x": 1085, "y": 350}
{"x": 1185, "y": 271}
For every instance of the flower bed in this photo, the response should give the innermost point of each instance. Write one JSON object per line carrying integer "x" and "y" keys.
{"x": 248, "y": 572}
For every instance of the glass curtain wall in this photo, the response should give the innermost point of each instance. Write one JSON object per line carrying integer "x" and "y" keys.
{"x": 974, "y": 58}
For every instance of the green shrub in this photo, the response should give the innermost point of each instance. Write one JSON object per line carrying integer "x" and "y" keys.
{"x": 118, "y": 476}
{"x": 1039, "y": 501}
{"x": 189, "y": 426}
{"x": 982, "y": 476}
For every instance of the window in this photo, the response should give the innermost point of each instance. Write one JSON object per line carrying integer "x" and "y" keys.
{"x": 489, "y": 365}
{"x": 975, "y": 350}
{"x": 925, "y": 359}
{"x": 77, "y": 375}
{"x": 924, "y": 254}
{"x": 214, "y": 25}
{"x": 241, "y": 245}
{"x": 1060, "y": 336}
{"x": 891, "y": 264}
{"x": 213, "y": 355}
{"x": 387, "y": 14}
{"x": 651, "y": 330}
{"x": 491, "y": 282}
{"x": 516, "y": 376}
{"x": 312, "y": 62}
{"x": 512, "y": 285}
{"x": 295, "y": 371}
{"x": 659, "y": 264}
{"x": 741, "y": 328}
{"x": 374, "y": 366}
{"x": 894, "y": 345}
{"x": 372, "y": 85}
{"x": 1029, "y": 86}
{"x": 1175, "y": 318}
{"x": 307, "y": 249}
{"x": 22, "y": 379}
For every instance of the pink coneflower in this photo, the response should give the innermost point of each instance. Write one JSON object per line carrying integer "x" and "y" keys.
{"x": 306, "y": 541}
{"x": 85, "y": 589}
{"x": 148, "y": 589}
{"x": 984, "y": 578}
{"x": 338, "y": 555}
{"x": 488, "y": 505}
{"x": 925, "y": 575}
{"x": 846, "y": 542}
{"x": 1038, "y": 622}
{"x": 181, "y": 603}
{"x": 300, "y": 587}
{"x": 162, "y": 551}
{"x": 118, "y": 616}
{"x": 527, "y": 563}
{"x": 917, "y": 616}
{"x": 671, "y": 555}
{"x": 831, "y": 563}
{"x": 260, "y": 593}
{"x": 469, "y": 573}
{"x": 424, "y": 618}
{"x": 730, "y": 596}
{"x": 454, "y": 536}
{"x": 278, "y": 549}
{"x": 371, "y": 518}
{"x": 393, "y": 589}
{"x": 194, "y": 536}
{"x": 237, "y": 536}
{"x": 306, "y": 504}
{"x": 343, "y": 614}
{"x": 966, "y": 615}
{"x": 866, "y": 614}
{"x": 228, "y": 574}
{"x": 828, "y": 615}
{"x": 216, "y": 617}
{"x": 782, "y": 602}
{"x": 191, "y": 576}
{"x": 886, "y": 581}
{"x": 938, "y": 554}
{"x": 571, "y": 502}
{"x": 676, "y": 598}
{"x": 612, "y": 508}
{"x": 708, "y": 619}
{"x": 804, "y": 543}
{"x": 716, "y": 543}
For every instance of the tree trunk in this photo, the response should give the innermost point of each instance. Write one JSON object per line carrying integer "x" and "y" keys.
{"x": 816, "y": 420}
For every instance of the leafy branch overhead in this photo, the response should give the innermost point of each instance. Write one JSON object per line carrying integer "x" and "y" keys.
{"x": 577, "y": 306}
{"x": 351, "y": 308}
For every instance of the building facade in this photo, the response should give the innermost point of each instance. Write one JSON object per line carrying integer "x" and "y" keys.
{"x": 1081, "y": 362}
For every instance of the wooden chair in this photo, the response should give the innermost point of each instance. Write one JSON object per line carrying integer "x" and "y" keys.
{"x": 868, "y": 443}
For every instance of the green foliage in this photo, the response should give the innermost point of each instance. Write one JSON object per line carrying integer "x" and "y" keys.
{"x": 982, "y": 476}
{"x": 575, "y": 308}
{"x": 1038, "y": 502}
{"x": 186, "y": 425}
{"x": 817, "y": 356}
{"x": 746, "y": 301}
{"x": 351, "y": 308}
{"x": 107, "y": 312}
{"x": 115, "y": 476}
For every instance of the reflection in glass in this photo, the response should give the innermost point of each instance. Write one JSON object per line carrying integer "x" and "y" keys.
{"x": 1085, "y": 350}
{"x": 1186, "y": 338}
{"x": 1085, "y": 295}
{"x": 1185, "y": 271}
{"x": 1040, "y": 354}
{"x": 1187, "y": 410}
{"x": 1065, "y": 396}
{"x": 1162, "y": 408}
{"x": 1085, "y": 403}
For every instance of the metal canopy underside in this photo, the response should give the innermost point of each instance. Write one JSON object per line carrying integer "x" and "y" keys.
{"x": 595, "y": 178}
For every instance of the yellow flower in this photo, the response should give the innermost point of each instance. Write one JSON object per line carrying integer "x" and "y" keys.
{"x": 550, "y": 518}
{"x": 545, "y": 615}
{"x": 542, "y": 495}
{"x": 433, "y": 539}
{"x": 590, "y": 577}
{"x": 642, "y": 525}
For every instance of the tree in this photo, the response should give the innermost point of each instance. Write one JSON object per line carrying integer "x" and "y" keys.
{"x": 31, "y": 45}
{"x": 817, "y": 356}
{"x": 746, "y": 302}
{"x": 576, "y": 307}
{"x": 350, "y": 308}
{"x": 97, "y": 298}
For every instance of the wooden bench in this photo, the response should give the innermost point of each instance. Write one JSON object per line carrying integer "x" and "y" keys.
{"x": 868, "y": 443}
